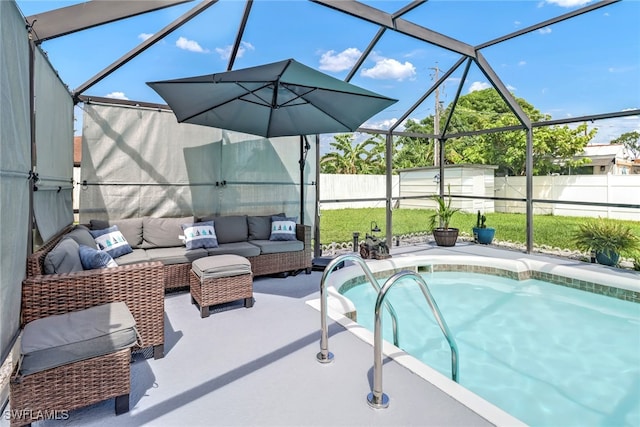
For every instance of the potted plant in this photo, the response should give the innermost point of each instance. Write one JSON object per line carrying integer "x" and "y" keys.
{"x": 481, "y": 233}
{"x": 608, "y": 239}
{"x": 439, "y": 221}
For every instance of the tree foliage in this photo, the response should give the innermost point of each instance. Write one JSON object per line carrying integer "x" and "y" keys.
{"x": 554, "y": 147}
{"x": 347, "y": 157}
{"x": 631, "y": 141}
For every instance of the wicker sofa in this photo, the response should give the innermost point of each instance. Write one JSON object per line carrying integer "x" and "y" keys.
{"x": 159, "y": 239}
{"x": 158, "y": 262}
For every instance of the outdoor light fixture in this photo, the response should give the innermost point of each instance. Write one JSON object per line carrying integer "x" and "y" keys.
{"x": 374, "y": 227}
{"x": 436, "y": 178}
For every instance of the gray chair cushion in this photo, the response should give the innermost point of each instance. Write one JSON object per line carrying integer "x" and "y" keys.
{"x": 274, "y": 246}
{"x": 178, "y": 255}
{"x": 66, "y": 338}
{"x": 135, "y": 257}
{"x": 131, "y": 229}
{"x": 82, "y": 236}
{"x": 260, "y": 226}
{"x": 63, "y": 258}
{"x": 230, "y": 229}
{"x": 221, "y": 266}
{"x": 244, "y": 249}
{"x": 163, "y": 232}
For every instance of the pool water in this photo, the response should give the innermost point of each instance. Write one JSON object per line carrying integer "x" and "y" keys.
{"x": 547, "y": 354}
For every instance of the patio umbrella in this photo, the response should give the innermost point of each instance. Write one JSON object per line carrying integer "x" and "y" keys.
{"x": 279, "y": 99}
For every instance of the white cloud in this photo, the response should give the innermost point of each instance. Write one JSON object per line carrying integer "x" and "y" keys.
{"x": 225, "y": 52}
{"x": 475, "y": 86}
{"x": 387, "y": 68}
{"x": 335, "y": 62}
{"x": 522, "y": 63}
{"x": 190, "y": 45}
{"x": 569, "y": 3}
{"x": 144, "y": 36}
{"x": 382, "y": 124}
{"x": 612, "y": 128}
{"x": 117, "y": 95}
{"x": 545, "y": 30}
{"x": 511, "y": 88}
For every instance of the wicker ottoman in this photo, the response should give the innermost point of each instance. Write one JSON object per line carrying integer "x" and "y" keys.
{"x": 219, "y": 279}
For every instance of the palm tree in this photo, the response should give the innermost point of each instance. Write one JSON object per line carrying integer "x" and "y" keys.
{"x": 350, "y": 158}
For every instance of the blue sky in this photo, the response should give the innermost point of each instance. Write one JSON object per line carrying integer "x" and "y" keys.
{"x": 586, "y": 65}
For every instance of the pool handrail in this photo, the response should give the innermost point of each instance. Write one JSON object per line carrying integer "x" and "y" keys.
{"x": 377, "y": 399}
{"x": 325, "y": 356}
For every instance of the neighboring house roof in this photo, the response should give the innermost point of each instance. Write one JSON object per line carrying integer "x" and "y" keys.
{"x": 602, "y": 154}
{"x": 77, "y": 150}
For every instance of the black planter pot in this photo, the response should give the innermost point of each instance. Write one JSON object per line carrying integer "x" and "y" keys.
{"x": 484, "y": 235}
{"x": 445, "y": 236}
{"x": 607, "y": 258}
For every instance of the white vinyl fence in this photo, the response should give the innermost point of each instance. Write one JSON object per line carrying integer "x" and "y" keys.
{"x": 615, "y": 189}
{"x": 349, "y": 187}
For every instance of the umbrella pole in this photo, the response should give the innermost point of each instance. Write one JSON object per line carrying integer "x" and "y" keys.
{"x": 302, "y": 162}
{"x": 316, "y": 219}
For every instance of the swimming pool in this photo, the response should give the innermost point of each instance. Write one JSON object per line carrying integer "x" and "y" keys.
{"x": 549, "y": 355}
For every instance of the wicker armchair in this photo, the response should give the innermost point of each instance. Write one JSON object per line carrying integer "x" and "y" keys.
{"x": 140, "y": 286}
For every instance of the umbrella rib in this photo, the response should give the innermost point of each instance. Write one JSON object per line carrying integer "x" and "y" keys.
{"x": 312, "y": 89}
{"x": 213, "y": 107}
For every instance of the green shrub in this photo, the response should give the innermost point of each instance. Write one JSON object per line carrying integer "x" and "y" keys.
{"x": 605, "y": 236}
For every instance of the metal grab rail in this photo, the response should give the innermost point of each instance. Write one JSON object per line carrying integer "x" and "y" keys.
{"x": 325, "y": 356}
{"x": 377, "y": 399}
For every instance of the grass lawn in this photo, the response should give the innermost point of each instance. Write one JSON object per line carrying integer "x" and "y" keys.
{"x": 555, "y": 231}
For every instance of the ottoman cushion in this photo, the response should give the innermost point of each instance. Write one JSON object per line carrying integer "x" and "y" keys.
{"x": 65, "y": 338}
{"x": 221, "y": 266}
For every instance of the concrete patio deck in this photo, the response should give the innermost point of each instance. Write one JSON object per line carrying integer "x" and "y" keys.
{"x": 258, "y": 367}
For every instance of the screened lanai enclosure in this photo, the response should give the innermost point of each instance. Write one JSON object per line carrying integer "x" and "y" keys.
{"x": 81, "y": 68}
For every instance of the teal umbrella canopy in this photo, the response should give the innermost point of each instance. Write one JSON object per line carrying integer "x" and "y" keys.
{"x": 279, "y": 99}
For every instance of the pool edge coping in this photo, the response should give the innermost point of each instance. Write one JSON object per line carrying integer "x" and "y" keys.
{"x": 482, "y": 407}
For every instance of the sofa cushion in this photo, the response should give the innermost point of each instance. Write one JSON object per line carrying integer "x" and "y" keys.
{"x": 63, "y": 258}
{"x": 244, "y": 249}
{"x": 212, "y": 267}
{"x": 82, "y": 236}
{"x": 283, "y": 228}
{"x": 135, "y": 257}
{"x": 230, "y": 229}
{"x": 274, "y": 247}
{"x": 66, "y": 338}
{"x": 111, "y": 241}
{"x": 131, "y": 228}
{"x": 179, "y": 255}
{"x": 200, "y": 235}
{"x": 93, "y": 258}
{"x": 163, "y": 232}
{"x": 260, "y": 226}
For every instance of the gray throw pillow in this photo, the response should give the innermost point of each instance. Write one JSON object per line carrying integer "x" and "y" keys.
{"x": 63, "y": 258}
{"x": 200, "y": 235}
{"x": 82, "y": 236}
{"x": 283, "y": 228}
{"x": 131, "y": 228}
{"x": 111, "y": 241}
